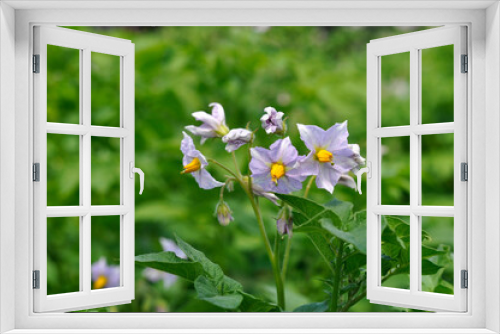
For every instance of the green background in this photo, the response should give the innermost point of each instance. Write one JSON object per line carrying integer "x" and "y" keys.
{"x": 315, "y": 75}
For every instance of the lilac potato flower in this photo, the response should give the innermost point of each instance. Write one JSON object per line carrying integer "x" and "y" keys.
{"x": 104, "y": 276}
{"x": 237, "y": 138}
{"x": 194, "y": 163}
{"x": 276, "y": 170}
{"x": 154, "y": 275}
{"x": 272, "y": 121}
{"x": 213, "y": 125}
{"x": 330, "y": 155}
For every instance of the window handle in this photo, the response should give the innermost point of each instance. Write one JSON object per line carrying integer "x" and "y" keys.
{"x": 141, "y": 175}
{"x": 359, "y": 174}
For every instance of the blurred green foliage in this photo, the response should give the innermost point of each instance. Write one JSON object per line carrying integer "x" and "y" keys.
{"x": 316, "y": 75}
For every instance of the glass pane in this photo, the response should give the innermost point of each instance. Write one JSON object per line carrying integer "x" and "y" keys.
{"x": 395, "y": 86}
{"x": 63, "y": 84}
{"x": 63, "y": 170}
{"x": 105, "y": 253}
{"x": 105, "y": 176}
{"x": 395, "y": 243}
{"x": 63, "y": 255}
{"x": 395, "y": 171}
{"x": 105, "y": 78}
{"x": 437, "y": 84}
{"x": 437, "y": 169}
{"x": 437, "y": 254}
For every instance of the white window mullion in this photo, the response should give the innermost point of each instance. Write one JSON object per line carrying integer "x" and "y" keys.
{"x": 86, "y": 164}
{"x": 414, "y": 170}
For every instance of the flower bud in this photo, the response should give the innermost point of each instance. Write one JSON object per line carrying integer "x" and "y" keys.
{"x": 223, "y": 213}
{"x": 236, "y": 138}
{"x": 284, "y": 222}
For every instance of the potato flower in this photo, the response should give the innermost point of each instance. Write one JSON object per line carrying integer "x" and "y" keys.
{"x": 194, "y": 163}
{"x": 213, "y": 125}
{"x": 104, "y": 276}
{"x": 276, "y": 170}
{"x": 272, "y": 121}
{"x": 330, "y": 156}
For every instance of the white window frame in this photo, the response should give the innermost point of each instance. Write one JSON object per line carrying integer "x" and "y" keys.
{"x": 414, "y": 43}
{"x": 85, "y": 43}
{"x": 16, "y": 21}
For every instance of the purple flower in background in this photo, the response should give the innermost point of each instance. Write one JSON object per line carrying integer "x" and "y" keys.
{"x": 236, "y": 138}
{"x": 272, "y": 121}
{"x": 330, "y": 155}
{"x": 194, "y": 163}
{"x": 213, "y": 125}
{"x": 154, "y": 275}
{"x": 105, "y": 276}
{"x": 276, "y": 169}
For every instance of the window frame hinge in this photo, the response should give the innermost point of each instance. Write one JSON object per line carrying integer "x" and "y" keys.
{"x": 465, "y": 64}
{"x": 464, "y": 277}
{"x": 36, "y": 279}
{"x": 464, "y": 171}
{"x": 36, "y": 172}
{"x": 36, "y": 63}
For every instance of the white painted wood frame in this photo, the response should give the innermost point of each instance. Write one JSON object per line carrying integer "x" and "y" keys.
{"x": 86, "y": 43}
{"x": 17, "y": 19}
{"x": 414, "y": 43}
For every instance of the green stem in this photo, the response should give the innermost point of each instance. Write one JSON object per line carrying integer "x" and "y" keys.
{"x": 236, "y": 164}
{"x": 309, "y": 184}
{"x": 276, "y": 270}
{"x": 286, "y": 257}
{"x": 337, "y": 278}
{"x": 224, "y": 167}
{"x": 272, "y": 258}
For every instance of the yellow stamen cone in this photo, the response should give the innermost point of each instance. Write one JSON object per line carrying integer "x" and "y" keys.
{"x": 324, "y": 156}
{"x": 100, "y": 282}
{"x": 193, "y": 166}
{"x": 277, "y": 171}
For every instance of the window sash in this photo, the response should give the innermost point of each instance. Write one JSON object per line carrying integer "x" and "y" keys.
{"x": 85, "y": 298}
{"x": 413, "y": 43}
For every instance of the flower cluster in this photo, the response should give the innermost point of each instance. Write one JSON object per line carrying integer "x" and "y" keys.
{"x": 279, "y": 169}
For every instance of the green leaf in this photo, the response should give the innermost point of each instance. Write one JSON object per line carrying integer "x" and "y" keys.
{"x": 322, "y": 245}
{"x": 356, "y": 237}
{"x": 169, "y": 262}
{"x": 212, "y": 270}
{"x": 313, "y": 307}
{"x": 251, "y": 303}
{"x": 341, "y": 208}
{"x": 304, "y": 206}
{"x": 428, "y": 252}
{"x": 208, "y": 292}
{"x": 429, "y": 268}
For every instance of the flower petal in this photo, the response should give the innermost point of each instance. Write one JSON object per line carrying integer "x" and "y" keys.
{"x": 348, "y": 181}
{"x": 261, "y": 161}
{"x": 169, "y": 245}
{"x": 207, "y": 119}
{"x": 327, "y": 177}
{"x": 218, "y": 112}
{"x": 283, "y": 150}
{"x": 205, "y": 180}
{"x": 336, "y": 136}
{"x": 187, "y": 144}
{"x": 99, "y": 268}
{"x": 313, "y": 136}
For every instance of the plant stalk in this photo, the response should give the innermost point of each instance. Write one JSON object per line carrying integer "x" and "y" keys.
{"x": 337, "y": 279}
